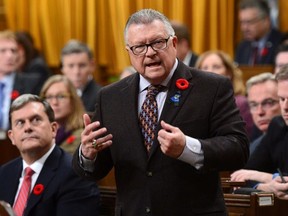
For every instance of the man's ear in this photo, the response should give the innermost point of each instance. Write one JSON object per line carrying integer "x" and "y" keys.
{"x": 54, "y": 126}
{"x": 11, "y": 137}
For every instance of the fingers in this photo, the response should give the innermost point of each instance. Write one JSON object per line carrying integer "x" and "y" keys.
{"x": 86, "y": 119}
{"x": 171, "y": 140}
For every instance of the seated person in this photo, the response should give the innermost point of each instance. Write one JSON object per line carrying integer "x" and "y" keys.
{"x": 260, "y": 39}
{"x": 272, "y": 153}
{"x": 263, "y": 102}
{"x": 281, "y": 57}
{"x": 184, "y": 49}
{"x": 12, "y": 83}
{"x": 59, "y": 92}
{"x": 30, "y": 59}
{"x": 42, "y": 178}
{"x": 220, "y": 63}
{"x": 77, "y": 63}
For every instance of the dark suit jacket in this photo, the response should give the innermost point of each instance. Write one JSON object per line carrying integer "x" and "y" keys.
{"x": 27, "y": 83}
{"x": 272, "y": 152}
{"x": 193, "y": 60}
{"x": 89, "y": 95}
{"x": 244, "y": 49}
{"x": 157, "y": 183}
{"x": 64, "y": 194}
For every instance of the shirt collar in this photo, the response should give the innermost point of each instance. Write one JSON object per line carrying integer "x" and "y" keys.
{"x": 38, "y": 164}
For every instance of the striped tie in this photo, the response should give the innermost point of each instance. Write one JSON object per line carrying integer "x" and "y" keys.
{"x": 21, "y": 201}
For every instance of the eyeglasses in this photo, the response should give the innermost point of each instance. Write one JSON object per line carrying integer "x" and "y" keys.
{"x": 251, "y": 22}
{"x": 265, "y": 104}
{"x": 59, "y": 97}
{"x": 156, "y": 45}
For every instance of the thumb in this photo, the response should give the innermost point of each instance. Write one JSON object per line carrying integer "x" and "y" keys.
{"x": 167, "y": 127}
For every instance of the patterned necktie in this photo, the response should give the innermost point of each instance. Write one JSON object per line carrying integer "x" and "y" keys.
{"x": 1, "y": 103}
{"x": 24, "y": 192}
{"x": 149, "y": 116}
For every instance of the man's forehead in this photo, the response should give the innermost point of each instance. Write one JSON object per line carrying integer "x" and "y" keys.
{"x": 30, "y": 109}
{"x": 69, "y": 56}
{"x": 7, "y": 41}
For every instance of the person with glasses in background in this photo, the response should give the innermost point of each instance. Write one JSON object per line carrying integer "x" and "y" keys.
{"x": 263, "y": 102}
{"x": 168, "y": 130}
{"x": 260, "y": 40}
{"x": 60, "y": 93}
{"x": 269, "y": 160}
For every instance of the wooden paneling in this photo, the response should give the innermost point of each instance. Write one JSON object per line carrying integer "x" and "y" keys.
{"x": 249, "y": 71}
{"x": 7, "y": 151}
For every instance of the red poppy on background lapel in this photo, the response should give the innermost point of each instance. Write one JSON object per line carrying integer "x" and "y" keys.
{"x": 38, "y": 189}
{"x": 70, "y": 139}
{"x": 14, "y": 94}
{"x": 182, "y": 84}
{"x": 264, "y": 51}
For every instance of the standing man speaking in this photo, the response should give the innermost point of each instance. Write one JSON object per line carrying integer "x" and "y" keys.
{"x": 168, "y": 130}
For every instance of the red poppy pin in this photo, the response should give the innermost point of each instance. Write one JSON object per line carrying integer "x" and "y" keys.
{"x": 264, "y": 51}
{"x": 182, "y": 84}
{"x": 14, "y": 94}
{"x": 38, "y": 189}
{"x": 70, "y": 139}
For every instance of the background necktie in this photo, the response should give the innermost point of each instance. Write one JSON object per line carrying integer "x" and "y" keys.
{"x": 254, "y": 55}
{"x": 1, "y": 103}
{"x": 149, "y": 115}
{"x": 21, "y": 201}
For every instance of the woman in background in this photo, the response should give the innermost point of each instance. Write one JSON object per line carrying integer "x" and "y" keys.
{"x": 60, "y": 93}
{"x": 221, "y": 63}
{"x": 30, "y": 60}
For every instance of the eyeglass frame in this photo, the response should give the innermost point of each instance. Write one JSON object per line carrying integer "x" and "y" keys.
{"x": 265, "y": 104}
{"x": 132, "y": 48}
{"x": 58, "y": 97}
{"x": 251, "y": 21}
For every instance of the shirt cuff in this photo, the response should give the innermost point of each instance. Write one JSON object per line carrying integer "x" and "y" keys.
{"x": 192, "y": 153}
{"x": 275, "y": 175}
{"x": 85, "y": 163}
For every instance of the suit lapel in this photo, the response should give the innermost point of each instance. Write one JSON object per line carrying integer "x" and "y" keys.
{"x": 46, "y": 175}
{"x": 130, "y": 112}
{"x": 13, "y": 183}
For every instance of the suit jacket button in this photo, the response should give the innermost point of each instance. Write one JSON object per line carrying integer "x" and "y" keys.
{"x": 148, "y": 210}
{"x": 149, "y": 173}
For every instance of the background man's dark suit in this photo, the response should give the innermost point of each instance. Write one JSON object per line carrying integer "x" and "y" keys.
{"x": 272, "y": 152}
{"x": 89, "y": 95}
{"x": 27, "y": 83}
{"x": 206, "y": 109}
{"x": 64, "y": 192}
{"x": 193, "y": 60}
{"x": 244, "y": 49}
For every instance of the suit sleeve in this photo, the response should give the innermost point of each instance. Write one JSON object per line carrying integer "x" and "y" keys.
{"x": 77, "y": 197}
{"x": 227, "y": 149}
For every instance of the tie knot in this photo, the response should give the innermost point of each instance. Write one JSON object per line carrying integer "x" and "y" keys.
{"x": 153, "y": 90}
{"x": 29, "y": 171}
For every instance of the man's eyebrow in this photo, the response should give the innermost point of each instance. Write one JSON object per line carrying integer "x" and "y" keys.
{"x": 29, "y": 117}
